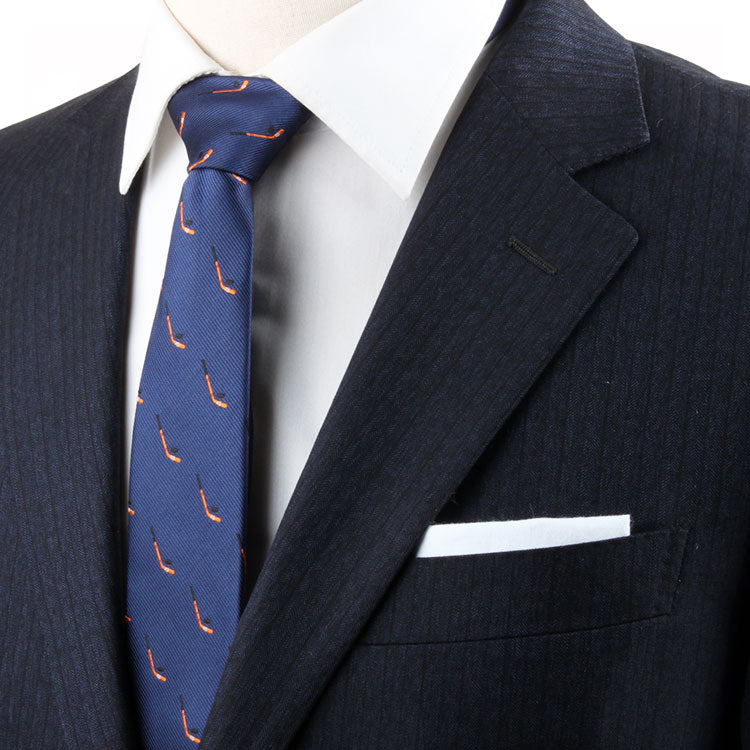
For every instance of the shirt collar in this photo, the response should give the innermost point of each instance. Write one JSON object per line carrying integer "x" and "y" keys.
{"x": 382, "y": 75}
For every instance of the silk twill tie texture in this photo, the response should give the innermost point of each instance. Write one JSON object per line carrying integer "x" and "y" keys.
{"x": 192, "y": 436}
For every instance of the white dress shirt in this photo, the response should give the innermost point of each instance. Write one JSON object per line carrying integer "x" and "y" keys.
{"x": 385, "y": 81}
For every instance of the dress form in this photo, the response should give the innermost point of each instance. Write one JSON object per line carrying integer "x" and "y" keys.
{"x": 242, "y": 35}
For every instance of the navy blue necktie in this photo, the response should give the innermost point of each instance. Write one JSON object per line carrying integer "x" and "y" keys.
{"x": 189, "y": 474}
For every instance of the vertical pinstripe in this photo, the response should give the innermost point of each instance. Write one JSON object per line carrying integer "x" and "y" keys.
{"x": 482, "y": 388}
{"x": 62, "y": 353}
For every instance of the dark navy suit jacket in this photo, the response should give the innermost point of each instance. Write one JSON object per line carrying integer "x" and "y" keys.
{"x": 598, "y": 363}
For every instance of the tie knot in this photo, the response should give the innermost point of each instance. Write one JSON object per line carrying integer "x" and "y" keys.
{"x": 235, "y": 124}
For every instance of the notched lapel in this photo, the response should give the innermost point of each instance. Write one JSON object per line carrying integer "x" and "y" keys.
{"x": 463, "y": 326}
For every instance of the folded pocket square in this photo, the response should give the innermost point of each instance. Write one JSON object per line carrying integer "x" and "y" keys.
{"x": 476, "y": 538}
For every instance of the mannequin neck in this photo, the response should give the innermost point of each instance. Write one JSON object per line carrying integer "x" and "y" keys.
{"x": 242, "y": 35}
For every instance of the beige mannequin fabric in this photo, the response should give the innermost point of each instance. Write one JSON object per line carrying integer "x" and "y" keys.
{"x": 242, "y": 35}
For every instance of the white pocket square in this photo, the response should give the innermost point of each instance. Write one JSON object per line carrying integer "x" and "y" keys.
{"x": 481, "y": 537}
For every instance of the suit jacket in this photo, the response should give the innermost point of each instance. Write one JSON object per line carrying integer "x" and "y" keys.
{"x": 599, "y": 367}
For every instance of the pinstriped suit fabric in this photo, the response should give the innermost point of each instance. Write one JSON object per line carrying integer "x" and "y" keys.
{"x": 645, "y": 409}
{"x": 482, "y": 388}
{"x": 62, "y": 371}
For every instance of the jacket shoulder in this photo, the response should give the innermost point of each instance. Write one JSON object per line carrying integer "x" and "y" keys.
{"x": 692, "y": 177}
{"x": 672, "y": 70}
{"x": 693, "y": 111}
{"x": 81, "y": 113}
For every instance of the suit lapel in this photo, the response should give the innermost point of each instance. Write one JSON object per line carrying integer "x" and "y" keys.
{"x": 463, "y": 326}
{"x": 66, "y": 294}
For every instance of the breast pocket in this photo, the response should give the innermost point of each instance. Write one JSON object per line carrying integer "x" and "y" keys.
{"x": 531, "y": 592}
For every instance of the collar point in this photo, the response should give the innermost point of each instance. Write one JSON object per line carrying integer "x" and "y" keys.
{"x": 401, "y": 183}
{"x": 125, "y": 183}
